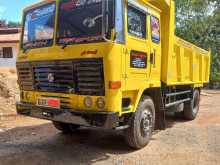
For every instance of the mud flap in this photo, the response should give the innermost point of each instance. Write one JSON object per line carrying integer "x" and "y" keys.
{"x": 160, "y": 120}
{"x": 160, "y": 123}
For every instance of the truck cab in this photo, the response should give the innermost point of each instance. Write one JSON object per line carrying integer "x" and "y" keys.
{"x": 103, "y": 64}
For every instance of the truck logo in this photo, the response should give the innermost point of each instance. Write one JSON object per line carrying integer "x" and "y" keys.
{"x": 89, "y": 52}
{"x": 50, "y": 77}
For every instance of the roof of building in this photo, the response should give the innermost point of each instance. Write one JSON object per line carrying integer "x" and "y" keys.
{"x": 9, "y": 35}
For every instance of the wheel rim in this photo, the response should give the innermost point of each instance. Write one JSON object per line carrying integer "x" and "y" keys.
{"x": 146, "y": 123}
{"x": 195, "y": 104}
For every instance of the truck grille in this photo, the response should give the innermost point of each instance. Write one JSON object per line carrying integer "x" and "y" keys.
{"x": 25, "y": 76}
{"x": 83, "y": 77}
{"x": 62, "y": 77}
{"x": 90, "y": 79}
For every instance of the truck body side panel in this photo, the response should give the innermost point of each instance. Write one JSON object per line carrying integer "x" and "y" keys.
{"x": 188, "y": 64}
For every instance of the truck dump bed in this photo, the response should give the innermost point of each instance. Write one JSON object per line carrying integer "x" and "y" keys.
{"x": 182, "y": 62}
{"x": 188, "y": 64}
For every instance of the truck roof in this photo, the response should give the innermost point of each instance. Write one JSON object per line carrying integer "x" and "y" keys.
{"x": 167, "y": 2}
{"x": 38, "y": 4}
{"x": 157, "y": 4}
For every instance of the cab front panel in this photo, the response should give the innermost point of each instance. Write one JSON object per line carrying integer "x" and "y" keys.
{"x": 75, "y": 76}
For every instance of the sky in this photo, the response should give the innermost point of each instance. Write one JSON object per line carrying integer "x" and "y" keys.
{"x": 11, "y": 10}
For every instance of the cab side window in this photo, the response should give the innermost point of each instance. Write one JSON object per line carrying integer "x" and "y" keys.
{"x": 155, "y": 29}
{"x": 136, "y": 22}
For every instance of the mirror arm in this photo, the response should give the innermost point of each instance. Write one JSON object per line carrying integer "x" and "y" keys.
{"x": 105, "y": 23}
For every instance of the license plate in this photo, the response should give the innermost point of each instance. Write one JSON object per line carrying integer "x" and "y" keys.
{"x": 48, "y": 102}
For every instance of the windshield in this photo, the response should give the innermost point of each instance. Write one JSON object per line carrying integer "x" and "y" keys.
{"x": 79, "y": 21}
{"x": 39, "y": 27}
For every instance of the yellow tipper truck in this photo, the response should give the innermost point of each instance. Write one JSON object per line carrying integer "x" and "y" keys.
{"x": 111, "y": 64}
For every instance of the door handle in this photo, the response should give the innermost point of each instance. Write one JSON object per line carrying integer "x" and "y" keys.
{"x": 153, "y": 58}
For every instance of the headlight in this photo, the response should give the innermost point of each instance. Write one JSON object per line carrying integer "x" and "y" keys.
{"x": 100, "y": 103}
{"x": 88, "y": 102}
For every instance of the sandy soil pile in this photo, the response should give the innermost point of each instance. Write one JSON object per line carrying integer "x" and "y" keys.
{"x": 9, "y": 92}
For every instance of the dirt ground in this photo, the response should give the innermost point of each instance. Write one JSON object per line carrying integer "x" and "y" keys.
{"x": 9, "y": 92}
{"x": 25, "y": 140}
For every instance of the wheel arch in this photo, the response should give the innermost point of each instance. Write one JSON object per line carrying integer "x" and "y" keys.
{"x": 156, "y": 95}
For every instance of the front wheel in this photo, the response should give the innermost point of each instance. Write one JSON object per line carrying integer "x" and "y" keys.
{"x": 141, "y": 125}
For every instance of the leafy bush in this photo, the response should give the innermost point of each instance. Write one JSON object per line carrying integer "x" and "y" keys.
{"x": 198, "y": 21}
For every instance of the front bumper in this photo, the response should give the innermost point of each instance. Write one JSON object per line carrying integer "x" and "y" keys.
{"x": 105, "y": 120}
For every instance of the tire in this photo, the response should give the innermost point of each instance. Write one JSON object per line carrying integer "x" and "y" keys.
{"x": 179, "y": 115}
{"x": 65, "y": 127}
{"x": 191, "y": 108}
{"x": 179, "y": 111}
{"x": 141, "y": 125}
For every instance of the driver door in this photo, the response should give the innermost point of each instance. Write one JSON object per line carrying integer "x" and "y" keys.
{"x": 137, "y": 51}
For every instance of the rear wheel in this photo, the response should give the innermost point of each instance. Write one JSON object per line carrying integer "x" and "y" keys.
{"x": 191, "y": 108}
{"x": 65, "y": 127}
{"x": 179, "y": 111}
{"x": 141, "y": 125}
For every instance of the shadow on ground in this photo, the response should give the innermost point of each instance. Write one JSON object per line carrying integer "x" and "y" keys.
{"x": 171, "y": 120}
{"x": 43, "y": 144}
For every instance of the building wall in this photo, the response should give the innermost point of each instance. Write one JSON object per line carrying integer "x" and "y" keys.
{"x": 9, "y": 62}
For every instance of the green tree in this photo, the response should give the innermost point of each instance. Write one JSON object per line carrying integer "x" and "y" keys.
{"x": 2, "y": 23}
{"x": 198, "y": 21}
{"x": 12, "y": 24}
